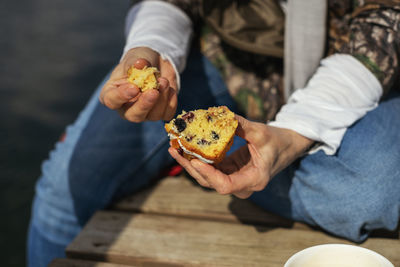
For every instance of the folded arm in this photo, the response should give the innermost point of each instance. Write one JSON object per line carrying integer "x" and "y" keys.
{"x": 363, "y": 67}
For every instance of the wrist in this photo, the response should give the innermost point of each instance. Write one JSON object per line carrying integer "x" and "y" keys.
{"x": 291, "y": 141}
{"x": 290, "y": 145}
{"x": 299, "y": 143}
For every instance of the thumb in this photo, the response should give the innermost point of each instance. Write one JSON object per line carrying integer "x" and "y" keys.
{"x": 140, "y": 53}
{"x": 244, "y": 127}
{"x": 117, "y": 73}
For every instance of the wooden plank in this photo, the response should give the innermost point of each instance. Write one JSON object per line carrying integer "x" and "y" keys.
{"x": 82, "y": 263}
{"x": 179, "y": 196}
{"x": 144, "y": 239}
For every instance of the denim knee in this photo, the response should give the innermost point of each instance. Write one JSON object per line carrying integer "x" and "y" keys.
{"x": 342, "y": 200}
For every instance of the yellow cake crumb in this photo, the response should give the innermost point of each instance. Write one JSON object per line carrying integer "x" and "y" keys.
{"x": 145, "y": 79}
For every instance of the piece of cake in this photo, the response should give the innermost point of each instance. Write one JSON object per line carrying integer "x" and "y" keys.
{"x": 203, "y": 134}
{"x": 145, "y": 79}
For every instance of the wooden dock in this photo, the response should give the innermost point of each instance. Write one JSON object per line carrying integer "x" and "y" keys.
{"x": 177, "y": 223}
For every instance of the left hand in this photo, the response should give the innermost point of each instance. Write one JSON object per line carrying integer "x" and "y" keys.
{"x": 135, "y": 106}
{"x": 250, "y": 168}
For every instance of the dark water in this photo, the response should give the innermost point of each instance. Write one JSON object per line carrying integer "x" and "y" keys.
{"x": 53, "y": 53}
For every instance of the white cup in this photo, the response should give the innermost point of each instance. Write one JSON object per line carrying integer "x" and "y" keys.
{"x": 338, "y": 255}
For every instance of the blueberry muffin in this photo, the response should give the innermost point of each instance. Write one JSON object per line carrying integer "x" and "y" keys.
{"x": 203, "y": 134}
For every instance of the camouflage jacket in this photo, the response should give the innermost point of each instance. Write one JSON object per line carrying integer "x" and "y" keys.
{"x": 369, "y": 30}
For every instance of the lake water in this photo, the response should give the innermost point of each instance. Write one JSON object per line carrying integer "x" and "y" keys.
{"x": 53, "y": 53}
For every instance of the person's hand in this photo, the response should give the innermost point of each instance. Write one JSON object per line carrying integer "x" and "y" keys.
{"x": 133, "y": 105}
{"x": 250, "y": 168}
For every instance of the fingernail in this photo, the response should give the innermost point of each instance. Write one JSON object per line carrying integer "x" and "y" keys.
{"x": 163, "y": 84}
{"x": 140, "y": 63}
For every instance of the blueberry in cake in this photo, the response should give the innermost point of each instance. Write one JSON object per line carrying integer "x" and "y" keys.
{"x": 145, "y": 79}
{"x": 203, "y": 134}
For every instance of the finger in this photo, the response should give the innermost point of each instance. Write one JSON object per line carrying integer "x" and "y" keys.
{"x": 172, "y": 104}
{"x": 244, "y": 126}
{"x": 243, "y": 194}
{"x": 246, "y": 179}
{"x": 110, "y": 84}
{"x": 120, "y": 81}
{"x": 163, "y": 83}
{"x": 249, "y": 179}
{"x": 117, "y": 73}
{"x": 218, "y": 180}
{"x": 139, "y": 110}
{"x": 168, "y": 72}
{"x": 140, "y": 63}
{"x": 252, "y": 132}
{"x": 116, "y": 97}
{"x": 146, "y": 57}
{"x": 188, "y": 167}
{"x": 236, "y": 161}
{"x": 157, "y": 112}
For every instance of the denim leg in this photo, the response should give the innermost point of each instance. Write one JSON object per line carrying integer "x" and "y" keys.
{"x": 105, "y": 157}
{"x": 40, "y": 248}
{"x": 353, "y": 192}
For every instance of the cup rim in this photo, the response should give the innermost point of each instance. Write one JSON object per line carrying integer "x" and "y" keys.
{"x": 299, "y": 253}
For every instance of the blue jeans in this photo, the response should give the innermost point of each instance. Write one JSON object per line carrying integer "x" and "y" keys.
{"x": 104, "y": 158}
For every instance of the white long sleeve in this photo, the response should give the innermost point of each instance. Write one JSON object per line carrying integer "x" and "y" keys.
{"x": 341, "y": 91}
{"x": 162, "y": 27}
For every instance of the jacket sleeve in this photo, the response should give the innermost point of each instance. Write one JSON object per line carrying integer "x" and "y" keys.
{"x": 190, "y": 7}
{"x": 372, "y": 37}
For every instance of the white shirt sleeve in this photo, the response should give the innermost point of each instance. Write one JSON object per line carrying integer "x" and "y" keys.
{"x": 342, "y": 91}
{"x": 162, "y": 27}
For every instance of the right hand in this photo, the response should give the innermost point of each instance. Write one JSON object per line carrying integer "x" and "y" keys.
{"x": 125, "y": 97}
{"x": 251, "y": 167}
